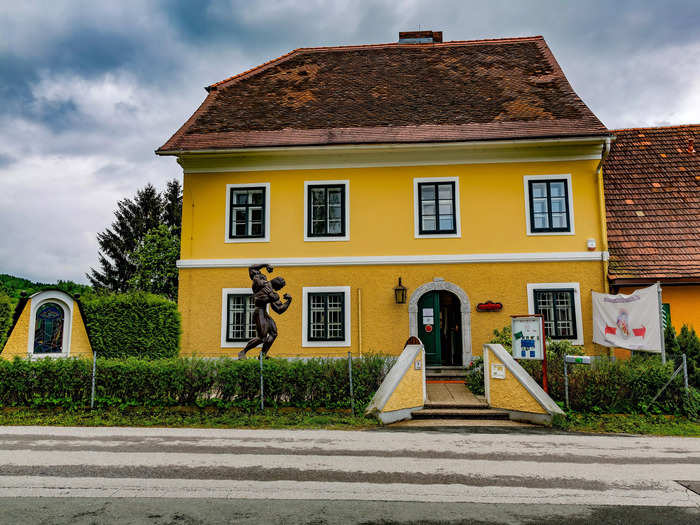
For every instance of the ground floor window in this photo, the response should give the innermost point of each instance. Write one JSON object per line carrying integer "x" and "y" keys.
{"x": 560, "y": 305}
{"x": 326, "y": 316}
{"x": 240, "y": 326}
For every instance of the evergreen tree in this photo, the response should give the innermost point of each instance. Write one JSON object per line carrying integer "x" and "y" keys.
{"x": 134, "y": 218}
{"x": 689, "y": 344}
{"x": 154, "y": 261}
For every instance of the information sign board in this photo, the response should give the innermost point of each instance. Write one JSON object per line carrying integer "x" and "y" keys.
{"x": 528, "y": 337}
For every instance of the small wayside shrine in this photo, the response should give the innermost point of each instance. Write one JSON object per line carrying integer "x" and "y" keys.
{"x": 49, "y": 323}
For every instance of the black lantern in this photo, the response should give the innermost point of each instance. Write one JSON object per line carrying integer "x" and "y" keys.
{"x": 400, "y": 293}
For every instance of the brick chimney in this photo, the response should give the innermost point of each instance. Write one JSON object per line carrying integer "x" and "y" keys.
{"x": 420, "y": 37}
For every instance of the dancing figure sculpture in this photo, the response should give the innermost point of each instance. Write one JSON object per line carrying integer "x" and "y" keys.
{"x": 264, "y": 293}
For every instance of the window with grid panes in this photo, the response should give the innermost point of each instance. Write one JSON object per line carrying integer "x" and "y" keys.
{"x": 326, "y": 214}
{"x": 549, "y": 206}
{"x": 559, "y": 311}
{"x": 247, "y": 213}
{"x": 240, "y": 326}
{"x": 326, "y": 316}
{"x": 436, "y": 211}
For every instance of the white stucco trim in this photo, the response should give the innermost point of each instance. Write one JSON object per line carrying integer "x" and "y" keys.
{"x": 371, "y": 260}
{"x": 66, "y": 302}
{"x": 464, "y": 310}
{"x": 305, "y": 317}
{"x": 229, "y": 187}
{"x": 416, "y": 208}
{"x": 569, "y": 198}
{"x": 577, "y": 303}
{"x": 346, "y": 210}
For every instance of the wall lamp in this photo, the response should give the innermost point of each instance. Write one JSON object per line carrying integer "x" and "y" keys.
{"x": 400, "y": 293}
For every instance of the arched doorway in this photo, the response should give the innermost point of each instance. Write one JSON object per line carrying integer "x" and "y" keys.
{"x": 439, "y": 314}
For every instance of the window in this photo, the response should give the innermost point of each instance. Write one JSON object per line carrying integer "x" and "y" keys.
{"x": 548, "y": 202}
{"x": 560, "y": 304}
{"x": 326, "y": 316}
{"x": 50, "y": 324}
{"x": 48, "y": 329}
{"x": 437, "y": 207}
{"x": 240, "y": 326}
{"x": 326, "y": 211}
{"x": 248, "y": 212}
{"x": 237, "y": 325}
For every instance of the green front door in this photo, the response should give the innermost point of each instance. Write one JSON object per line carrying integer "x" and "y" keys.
{"x": 429, "y": 327}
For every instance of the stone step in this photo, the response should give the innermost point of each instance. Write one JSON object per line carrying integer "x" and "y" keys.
{"x": 460, "y": 413}
{"x": 444, "y": 377}
{"x": 500, "y": 425}
{"x": 458, "y": 406}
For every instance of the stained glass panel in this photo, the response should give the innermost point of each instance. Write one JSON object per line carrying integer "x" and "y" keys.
{"x": 48, "y": 329}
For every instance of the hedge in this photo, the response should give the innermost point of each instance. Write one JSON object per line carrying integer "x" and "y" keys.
{"x": 620, "y": 386}
{"x": 191, "y": 381}
{"x": 134, "y": 324}
{"x": 6, "y": 311}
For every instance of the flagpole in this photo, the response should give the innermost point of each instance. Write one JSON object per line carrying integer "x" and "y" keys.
{"x": 661, "y": 324}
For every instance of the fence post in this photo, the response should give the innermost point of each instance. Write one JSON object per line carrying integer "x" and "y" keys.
{"x": 352, "y": 395}
{"x": 685, "y": 376}
{"x": 262, "y": 388}
{"x": 566, "y": 383}
{"x": 94, "y": 369}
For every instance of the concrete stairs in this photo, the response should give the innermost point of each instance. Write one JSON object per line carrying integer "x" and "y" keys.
{"x": 451, "y": 404}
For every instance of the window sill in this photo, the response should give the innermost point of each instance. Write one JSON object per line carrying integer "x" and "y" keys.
{"x": 327, "y": 239}
{"x": 540, "y": 234}
{"x": 247, "y": 239}
{"x": 325, "y": 344}
{"x": 438, "y": 236}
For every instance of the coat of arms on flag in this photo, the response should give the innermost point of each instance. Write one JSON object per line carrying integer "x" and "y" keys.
{"x": 628, "y": 321}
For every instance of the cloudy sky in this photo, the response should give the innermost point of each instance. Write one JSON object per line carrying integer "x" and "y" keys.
{"x": 88, "y": 89}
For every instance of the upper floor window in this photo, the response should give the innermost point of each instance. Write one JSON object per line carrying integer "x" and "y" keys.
{"x": 248, "y": 212}
{"x": 560, "y": 305}
{"x": 549, "y": 205}
{"x": 326, "y": 211}
{"x": 437, "y": 207}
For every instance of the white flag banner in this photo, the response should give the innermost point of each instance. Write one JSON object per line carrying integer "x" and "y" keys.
{"x": 628, "y": 321}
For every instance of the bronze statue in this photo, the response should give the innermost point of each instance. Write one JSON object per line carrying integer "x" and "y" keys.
{"x": 264, "y": 293}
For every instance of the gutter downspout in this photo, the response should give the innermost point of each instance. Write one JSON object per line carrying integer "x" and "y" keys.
{"x": 601, "y": 207}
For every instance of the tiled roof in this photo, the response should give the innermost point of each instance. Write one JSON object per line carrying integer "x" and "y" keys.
{"x": 452, "y": 91}
{"x": 652, "y": 197}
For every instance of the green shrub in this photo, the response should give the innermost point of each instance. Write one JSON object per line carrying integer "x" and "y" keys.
{"x": 134, "y": 324}
{"x": 609, "y": 386}
{"x": 6, "y": 311}
{"x": 689, "y": 344}
{"x": 316, "y": 383}
{"x": 475, "y": 376}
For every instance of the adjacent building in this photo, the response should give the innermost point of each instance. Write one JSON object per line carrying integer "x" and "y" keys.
{"x": 652, "y": 193}
{"x": 464, "y": 174}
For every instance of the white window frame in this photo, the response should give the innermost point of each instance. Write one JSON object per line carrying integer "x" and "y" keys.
{"x": 266, "y": 237}
{"x": 346, "y": 211}
{"x": 305, "y": 317}
{"x": 531, "y": 287}
{"x": 63, "y": 300}
{"x": 416, "y": 209}
{"x": 224, "y": 316}
{"x": 569, "y": 197}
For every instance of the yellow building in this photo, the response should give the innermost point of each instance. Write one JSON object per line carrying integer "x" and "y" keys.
{"x": 466, "y": 171}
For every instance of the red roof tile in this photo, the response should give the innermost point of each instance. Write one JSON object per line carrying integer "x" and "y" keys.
{"x": 453, "y": 91}
{"x": 652, "y": 198}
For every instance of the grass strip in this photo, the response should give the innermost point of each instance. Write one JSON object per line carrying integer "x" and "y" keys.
{"x": 658, "y": 425}
{"x": 186, "y": 417}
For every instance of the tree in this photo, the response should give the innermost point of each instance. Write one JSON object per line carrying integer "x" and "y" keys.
{"x": 154, "y": 261}
{"x": 134, "y": 218}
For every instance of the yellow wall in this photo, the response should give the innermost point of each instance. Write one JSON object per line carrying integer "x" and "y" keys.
{"x": 409, "y": 392}
{"x": 384, "y": 323}
{"x": 18, "y": 341}
{"x": 508, "y": 393}
{"x": 492, "y": 206}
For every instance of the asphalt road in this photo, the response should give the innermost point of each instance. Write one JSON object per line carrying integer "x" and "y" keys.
{"x": 128, "y": 475}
